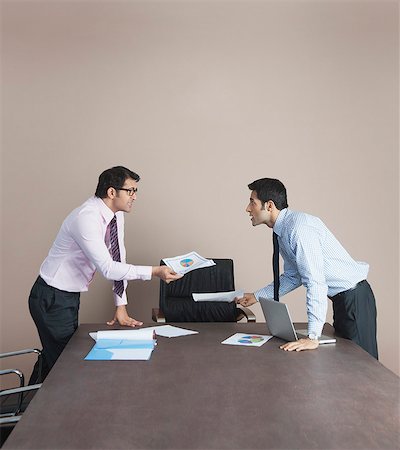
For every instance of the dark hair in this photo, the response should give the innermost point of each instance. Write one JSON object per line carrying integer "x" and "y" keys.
{"x": 114, "y": 177}
{"x": 270, "y": 189}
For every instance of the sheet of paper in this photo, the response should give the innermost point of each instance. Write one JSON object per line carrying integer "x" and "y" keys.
{"x": 171, "y": 331}
{"x": 249, "y": 340}
{"x": 190, "y": 261}
{"x": 218, "y": 296}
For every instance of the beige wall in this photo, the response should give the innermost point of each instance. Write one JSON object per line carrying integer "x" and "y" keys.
{"x": 200, "y": 98}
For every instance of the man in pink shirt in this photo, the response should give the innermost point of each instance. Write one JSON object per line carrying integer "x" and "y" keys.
{"x": 83, "y": 246}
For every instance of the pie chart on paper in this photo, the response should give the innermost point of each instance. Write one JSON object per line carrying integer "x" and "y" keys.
{"x": 186, "y": 262}
{"x": 250, "y": 339}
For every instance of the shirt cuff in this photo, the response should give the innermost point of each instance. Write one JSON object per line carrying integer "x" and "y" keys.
{"x": 143, "y": 272}
{"x": 120, "y": 301}
{"x": 266, "y": 292}
{"x": 315, "y": 329}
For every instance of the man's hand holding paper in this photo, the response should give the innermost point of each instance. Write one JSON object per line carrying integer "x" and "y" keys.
{"x": 166, "y": 274}
{"x": 247, "y": 299}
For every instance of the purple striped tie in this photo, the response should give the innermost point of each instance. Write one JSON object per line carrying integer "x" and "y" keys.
{"x": 118, "y": 285}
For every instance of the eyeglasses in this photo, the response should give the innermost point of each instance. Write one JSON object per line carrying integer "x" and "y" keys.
{"x": 130, "y": 191}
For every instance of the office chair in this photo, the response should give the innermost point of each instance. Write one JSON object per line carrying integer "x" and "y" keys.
{"x": 176, "y": 303}
{"x": 14, "y": 401}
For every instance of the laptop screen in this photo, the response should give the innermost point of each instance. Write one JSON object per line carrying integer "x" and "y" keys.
{"x": 280, "y": 324}
{"x": 278, "y": 319}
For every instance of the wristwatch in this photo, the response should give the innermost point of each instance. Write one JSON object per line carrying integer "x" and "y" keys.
{"x": 313, "y": 336}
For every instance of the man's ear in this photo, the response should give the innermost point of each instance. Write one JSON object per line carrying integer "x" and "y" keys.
{"x": 111, "y": 192}
{"x": 269, "y": 205}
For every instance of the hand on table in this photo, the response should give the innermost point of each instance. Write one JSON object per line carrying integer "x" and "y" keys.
{"x": 122, "y": 318}
{"x": 301, "y": 344}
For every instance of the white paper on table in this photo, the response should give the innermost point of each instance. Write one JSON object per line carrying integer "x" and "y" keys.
{"x": 171, "y": 331}
{"x": 249, "y": 339}
{"x": 138, "y": 334}
{"x": 185, "y": 263}
{"x": 162, "y": 330}
{"x": 218, "y": 296}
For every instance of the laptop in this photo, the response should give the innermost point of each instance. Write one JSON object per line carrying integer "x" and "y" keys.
{"x": 280, "y": 324}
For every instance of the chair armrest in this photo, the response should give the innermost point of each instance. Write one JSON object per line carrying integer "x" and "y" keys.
{"x": 21, "y": 352}
{"x": 8, "y": 420}
{"x": 8, "y": 371}
{"x": 30, "y": 387}
{"x": 15, "y": 411}
{"x": 246, "y": 312}
{"x": 157, "y": 315}
{"x": 15, "y": 372}
{"x": 25, "y": 352}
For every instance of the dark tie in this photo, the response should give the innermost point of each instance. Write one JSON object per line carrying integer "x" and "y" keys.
{"x": 275, "y": 265}
{"x": 118, "y": 285}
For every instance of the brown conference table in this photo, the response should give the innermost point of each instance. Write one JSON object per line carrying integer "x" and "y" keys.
{"x": 195, "y": 393}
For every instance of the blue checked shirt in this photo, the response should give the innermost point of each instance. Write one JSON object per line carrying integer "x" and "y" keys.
{"x": 314, "y": 258}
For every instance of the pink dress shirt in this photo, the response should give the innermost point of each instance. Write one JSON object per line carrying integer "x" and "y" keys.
{"x": 82, "y": 246}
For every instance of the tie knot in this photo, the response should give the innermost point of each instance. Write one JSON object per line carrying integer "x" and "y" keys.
{"x": 113, "y": 222}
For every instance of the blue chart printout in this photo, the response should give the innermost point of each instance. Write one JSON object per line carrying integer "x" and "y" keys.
{"x": 122, "y": 345}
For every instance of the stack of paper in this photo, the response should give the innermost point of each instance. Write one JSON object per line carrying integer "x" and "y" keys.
{"x": 123, "y": 345}
{"x": 160, "y": 330}
{"x": 185, "y": 263}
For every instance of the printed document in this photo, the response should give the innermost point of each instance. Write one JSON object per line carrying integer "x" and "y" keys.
{"x": 249, "y": 340}
{"x": 185, "y": 263}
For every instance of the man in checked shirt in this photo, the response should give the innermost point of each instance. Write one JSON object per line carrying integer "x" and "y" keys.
{"x": 314, "y": 258}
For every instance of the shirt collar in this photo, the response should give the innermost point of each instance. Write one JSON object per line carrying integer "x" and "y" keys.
{"x": 279, "y": 221}
{"x": 105, "y": 211}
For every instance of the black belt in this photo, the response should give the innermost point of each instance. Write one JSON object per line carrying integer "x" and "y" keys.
{"x": 348, "y": 290}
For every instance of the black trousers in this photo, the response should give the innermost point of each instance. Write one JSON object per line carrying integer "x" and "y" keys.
{"x": 55, "y": 314}
{"x": 354, "y": 316}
